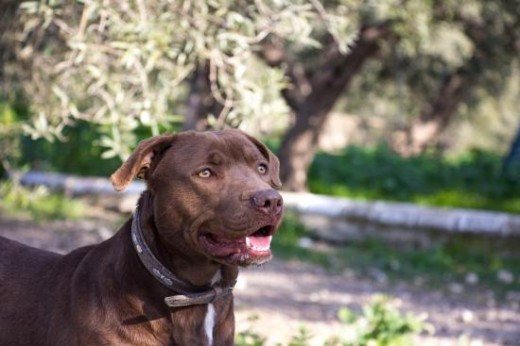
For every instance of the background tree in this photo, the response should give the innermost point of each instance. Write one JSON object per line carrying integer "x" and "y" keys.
{"x": 318, "y": 77}
{"x": 313, "y": 93}
{"x": 492, "y": 31}
{"x": 129, "y": 68}
{"x": 123, "y": 65}
{"x": 512, "y": 159}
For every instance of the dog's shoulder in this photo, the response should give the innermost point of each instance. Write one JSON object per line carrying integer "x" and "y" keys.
{"x": 16, "y": 257}
{"x": 9, "y": 247}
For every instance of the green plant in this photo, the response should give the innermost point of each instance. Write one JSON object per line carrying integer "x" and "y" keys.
{"x": 80, "y": 154}
{"x": 379, "y": 324}
{"x": 125, "y": 65}
{"x": 38, "y": 203}
{"x": 302, "y": 338}
{"x": 249, "y": 338}
{"x": 473, "y": 180}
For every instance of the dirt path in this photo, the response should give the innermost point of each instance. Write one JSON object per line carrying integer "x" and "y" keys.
{"x": 281, "y": 296}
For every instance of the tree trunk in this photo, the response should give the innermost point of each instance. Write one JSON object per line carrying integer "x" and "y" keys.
{"x": 201, "y": 102}
{"x": 298, "y": 148}
{"x": 512, "y": 159}
{"x": 311, "y": 109}
{"x": 437, "y": 115}
{"x": 198, "y": 107}
{"x": 7, "y": 16}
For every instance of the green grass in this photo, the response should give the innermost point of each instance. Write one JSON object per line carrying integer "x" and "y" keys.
{"x": 474, "y": 180}
{"x": 436, "y": 267}
{"x": 38, "y": 203}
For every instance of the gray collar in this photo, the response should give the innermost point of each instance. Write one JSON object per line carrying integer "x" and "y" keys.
{"x": 190, "y": 295}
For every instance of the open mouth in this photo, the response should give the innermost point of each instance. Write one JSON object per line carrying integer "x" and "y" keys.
{"x": 260, "y": 240}
{"x": 252, "y": 248}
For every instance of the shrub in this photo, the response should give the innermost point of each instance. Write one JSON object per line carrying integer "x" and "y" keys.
{"x": 473, "y": 180}
{"x": 39, "y": 203}
{"x": 379, "y": 324}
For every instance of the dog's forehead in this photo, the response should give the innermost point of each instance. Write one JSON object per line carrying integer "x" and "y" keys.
{"x": 218, "y": 146}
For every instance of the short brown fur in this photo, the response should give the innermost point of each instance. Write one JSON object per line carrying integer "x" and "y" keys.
{"x": 103, "y": 295}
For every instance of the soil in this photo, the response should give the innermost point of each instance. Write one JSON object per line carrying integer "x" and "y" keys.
{"x": 277, "y": 299}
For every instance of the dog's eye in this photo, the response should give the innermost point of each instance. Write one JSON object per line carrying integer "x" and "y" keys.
{"x": 205, "y": 173}
{"x": 262, "y": 169}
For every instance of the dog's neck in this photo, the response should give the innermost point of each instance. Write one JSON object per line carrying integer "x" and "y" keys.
{"x": 195, "y": 270}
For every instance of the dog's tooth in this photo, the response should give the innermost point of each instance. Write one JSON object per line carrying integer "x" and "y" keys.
{"x": 256, "y": 247}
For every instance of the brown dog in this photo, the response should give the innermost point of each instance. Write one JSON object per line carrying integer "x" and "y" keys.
{"x": 166, "y": 277}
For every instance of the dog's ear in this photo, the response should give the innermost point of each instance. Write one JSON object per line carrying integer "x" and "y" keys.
{"x": 275, "y": 170}
{"x": 138, "y": 164}
{"x": 274, "y": 163}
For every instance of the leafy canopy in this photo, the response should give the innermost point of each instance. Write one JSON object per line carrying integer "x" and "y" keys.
{"x": 121, "y": 64}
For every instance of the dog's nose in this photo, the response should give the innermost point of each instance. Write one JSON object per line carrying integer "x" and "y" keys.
{"x": 269, "y": 201}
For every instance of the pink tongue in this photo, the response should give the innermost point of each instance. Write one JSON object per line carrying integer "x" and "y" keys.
{"x": 260, "y": 242}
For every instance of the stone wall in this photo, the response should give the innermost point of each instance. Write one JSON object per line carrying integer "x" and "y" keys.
{"x": 342, "y": 220}
{"x": 336, "y": 219}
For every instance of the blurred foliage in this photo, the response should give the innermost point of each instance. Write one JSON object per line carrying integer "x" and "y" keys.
{"x": 302, "y": 338}
{"x": 121, "y": 65}
{"x": 379, "y": 324}
{"x": 473, "y": 180}
{"x": 249, "y": 338}
{"x": 442, "y": 39}
{"x": 80, "y": 152}
{"x": 106, "y": 74}
{"x": 10, "y": 127}
{"x": 38, "y": 203}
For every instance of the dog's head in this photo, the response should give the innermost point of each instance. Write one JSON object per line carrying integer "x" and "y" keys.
{"x": 214, "y": 193}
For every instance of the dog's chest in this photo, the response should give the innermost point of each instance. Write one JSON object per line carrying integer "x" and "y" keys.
{"x": 197, "y": 325}
{"x": 209, "y": 323}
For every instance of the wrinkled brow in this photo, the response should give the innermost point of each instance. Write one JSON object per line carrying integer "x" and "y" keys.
{"x": 215, "y": 158}
{"x": 245, "y": 154}
{"x": 252, "y": 154}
